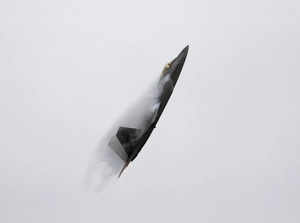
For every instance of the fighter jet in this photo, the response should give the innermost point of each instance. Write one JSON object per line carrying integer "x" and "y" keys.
{"x": 128, "y": 141}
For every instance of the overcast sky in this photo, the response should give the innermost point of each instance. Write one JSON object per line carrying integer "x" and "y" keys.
{"x": 227, "y": 147}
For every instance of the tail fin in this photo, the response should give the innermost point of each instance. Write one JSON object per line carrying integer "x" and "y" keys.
{"x": 127, "y": 135}
{"x": 124, "y": 167}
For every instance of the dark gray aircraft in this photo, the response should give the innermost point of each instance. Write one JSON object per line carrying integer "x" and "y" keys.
{"x": 131, "y": 139}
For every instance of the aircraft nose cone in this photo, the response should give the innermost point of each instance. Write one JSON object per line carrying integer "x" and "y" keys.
{"x": 185, "y": 50}
{"x": 178, "y": 64}
{"x": 182, "y": 55}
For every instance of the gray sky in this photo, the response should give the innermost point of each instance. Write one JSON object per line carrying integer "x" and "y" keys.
{"x": 226, "y": 148}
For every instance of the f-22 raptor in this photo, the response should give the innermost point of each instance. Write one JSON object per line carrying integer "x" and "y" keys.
{"x": 131, "y": 139}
